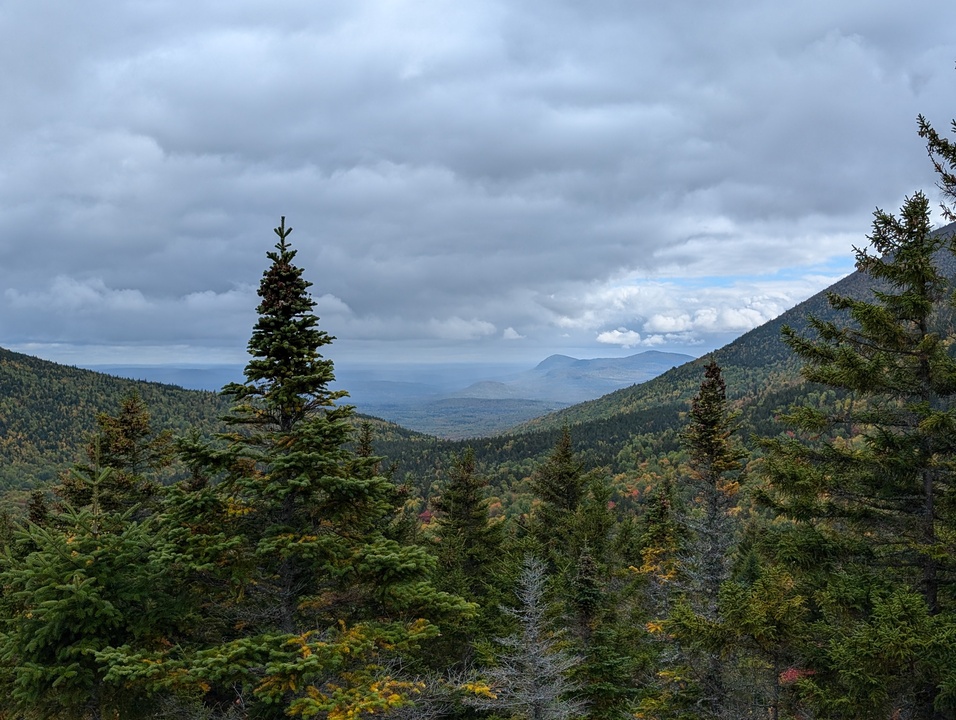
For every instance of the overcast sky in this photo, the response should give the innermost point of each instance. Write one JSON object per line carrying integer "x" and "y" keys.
{"x": 490, "y": 181}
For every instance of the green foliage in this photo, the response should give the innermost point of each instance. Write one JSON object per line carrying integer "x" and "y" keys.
{"x": 868, "y": 489}
{"x": 472, "y": 561}
{"x": 321, "y": 593}
{"x": 73, "y": 590}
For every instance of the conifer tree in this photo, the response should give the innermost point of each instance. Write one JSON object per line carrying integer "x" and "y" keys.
{"x": 697, "y": 675}
{"x": 942, "y": 152}
{"x": 561, "y": 486}
{"x": 74, "y": 591}
{"x": 470, "y": 552}
{"x": 714, "y": 474}
{"x": 132, "y": 449}
{"x": 314, "y": 598}
{"x": 870, "y": 499}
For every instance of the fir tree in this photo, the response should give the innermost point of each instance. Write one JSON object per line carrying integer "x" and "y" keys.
{"x": 942, "y": 152}
{"x": 697, "y": 674}
{"x": 714, "y": 473}
{"x": 132, "y": 449}
{"x": 91, "y": 582}
{"x": 530, "y": 679}
{"x": 871, "y": 500}
{"x": 561, "y": 486}
{"x": 314, "y": 598}
{"x": 472, "y": 561}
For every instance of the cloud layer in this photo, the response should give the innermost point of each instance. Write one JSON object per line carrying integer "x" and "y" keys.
{"x": 466, "y": 180}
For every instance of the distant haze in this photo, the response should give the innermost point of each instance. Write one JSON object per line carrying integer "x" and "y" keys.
{"x": 460, "y": 399}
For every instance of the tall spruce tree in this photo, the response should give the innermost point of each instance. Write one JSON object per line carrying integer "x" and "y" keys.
{"x": 315, "y": 600}
{"x": 714, "y": 473}
{"x": 698, "y": 676}
{"x": 868, "y": 487}
{"x": 561, "y": 486}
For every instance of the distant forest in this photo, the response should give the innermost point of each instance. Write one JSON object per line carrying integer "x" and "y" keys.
{"x": 769, "y": 532}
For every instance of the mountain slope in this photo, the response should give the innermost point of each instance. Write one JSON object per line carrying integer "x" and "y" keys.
{"x": 627, "y": 427}
{"x": 48, "y": 412}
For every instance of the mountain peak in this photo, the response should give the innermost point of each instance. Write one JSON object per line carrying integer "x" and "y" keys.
{"x": 553, "y": 361}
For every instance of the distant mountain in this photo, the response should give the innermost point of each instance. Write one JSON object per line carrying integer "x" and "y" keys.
{"x": 563, "y": 379}
{"x": 494, "y": 405}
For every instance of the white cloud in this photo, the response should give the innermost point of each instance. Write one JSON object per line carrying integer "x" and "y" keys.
{"x": 622, "y": 336}
{"x": 659, "y": 323}
{"x": 238, "y": 299}
{"x": 511, "y": 334}
{"x": 329, "y": 304}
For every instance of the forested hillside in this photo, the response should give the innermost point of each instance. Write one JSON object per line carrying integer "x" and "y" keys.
{"x": 48, "y": 413}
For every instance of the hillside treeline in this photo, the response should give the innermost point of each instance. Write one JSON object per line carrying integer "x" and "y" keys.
{"x": 45, "y": 417}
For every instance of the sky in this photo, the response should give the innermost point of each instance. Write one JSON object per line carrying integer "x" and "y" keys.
{"x": 467, "y": 181}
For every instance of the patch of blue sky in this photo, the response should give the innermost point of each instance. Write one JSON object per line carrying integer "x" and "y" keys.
{"x": 835, "y": 268}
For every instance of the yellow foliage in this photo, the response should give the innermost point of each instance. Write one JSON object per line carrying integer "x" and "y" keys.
{"x": 479, "y": 689}
{"x": 237, "y": 508}
{"x": 359, "y": 698}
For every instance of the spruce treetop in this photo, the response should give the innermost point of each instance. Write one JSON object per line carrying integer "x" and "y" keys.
{"x": 287, "y": 373}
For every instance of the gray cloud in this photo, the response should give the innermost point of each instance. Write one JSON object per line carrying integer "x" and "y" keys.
{"x": 474, "y": 179}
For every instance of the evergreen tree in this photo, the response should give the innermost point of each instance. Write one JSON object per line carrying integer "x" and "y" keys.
{"x": 132, "y": 449}
{"x": 697, "y": 674}
{"x": 714, "y": 474}
{"x": 530, "y": 679}
{"x": 315, "y": 600}
{"x": 561, "y": 486}
{"x": 942, "y": 152}
{"x": 93, "y": 581}
{"x": 870, "y": 500}
{"x": 470, "y": 552}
